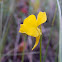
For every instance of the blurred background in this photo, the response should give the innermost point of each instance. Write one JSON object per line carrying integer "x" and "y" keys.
{"x": 17, "y": 47}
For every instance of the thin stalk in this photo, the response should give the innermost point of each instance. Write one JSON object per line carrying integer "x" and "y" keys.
{"x": 40, "y": 45}
{"x": 50, "y": 34}
{"x": 60, "y": 33}
{"x": 40, "y": 49}
{"x": 23, "y": 53}
{"x": 10, "y": 12}
{"x": 56, "y": 53}
{"x": 4, "y": 40}
{"x": 47, "y": 45}
{"x": 1, "y": 15}
{"x": 5, "y": 32}
{"x": 23, "y": 48}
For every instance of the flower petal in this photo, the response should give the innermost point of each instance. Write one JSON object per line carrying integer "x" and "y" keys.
{"x": 32, "y": 31}
{"x": 30, "y": 21}
{"x": 37, "y": 41}
{"x": 22, "y": 28}
{"x": 41, "y": 18}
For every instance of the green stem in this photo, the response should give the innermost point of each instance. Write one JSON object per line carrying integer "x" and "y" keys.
{"x": 23, "y": 53}
{"x": 3, "y": 41}
{"x": 40, "y": 48}
{"x": 50, "y": 34}
{"x": 60, "y": 32}
{"x": 23, "y": 49}
{"x": 40, "y": 45}
{"x": 47, "y": 45}
{"x": 56, "y": 53}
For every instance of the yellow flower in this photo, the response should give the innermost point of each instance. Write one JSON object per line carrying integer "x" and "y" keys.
{"x": 30, "y": 26}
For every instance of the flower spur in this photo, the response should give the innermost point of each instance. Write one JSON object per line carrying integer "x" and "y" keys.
{"x": 30, "y": 26}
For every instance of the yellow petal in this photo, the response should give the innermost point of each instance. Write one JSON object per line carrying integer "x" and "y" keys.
{"x": 41, "y": 18}
{"x": 22, "y": 29}
{"x": 32, "y": 31}
{"x": 30, "y": 21}
{"x": 35, "y": 32}
{"x": 40, "y": 33}
{"x": 37, "y": 41}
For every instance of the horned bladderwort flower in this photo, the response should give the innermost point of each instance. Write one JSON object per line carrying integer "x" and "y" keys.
{"x": 30, "y": 26}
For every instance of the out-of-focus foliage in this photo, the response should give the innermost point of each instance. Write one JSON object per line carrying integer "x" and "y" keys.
{"x": 13, "y": 41}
